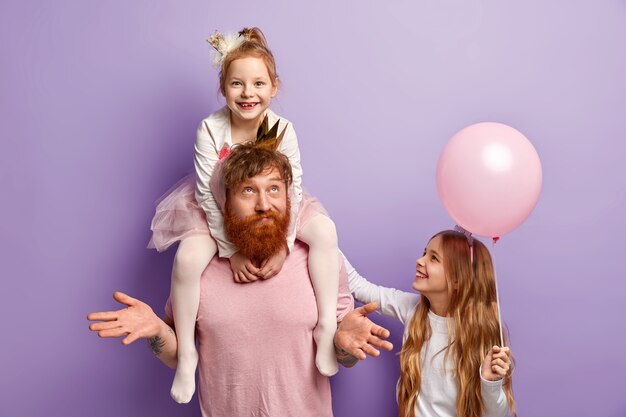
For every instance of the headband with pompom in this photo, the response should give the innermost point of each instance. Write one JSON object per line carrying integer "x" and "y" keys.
{"x": 224, "y": 45}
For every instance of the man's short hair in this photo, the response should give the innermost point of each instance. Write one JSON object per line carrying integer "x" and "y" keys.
{"x": 248, "y": 160}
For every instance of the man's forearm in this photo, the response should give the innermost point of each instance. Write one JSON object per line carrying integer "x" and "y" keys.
{"x": 164, "y": 345}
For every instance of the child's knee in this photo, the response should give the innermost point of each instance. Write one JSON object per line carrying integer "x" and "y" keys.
{"x": 185, "y": 258}
{"x": 194, "y": 252}
{"x": 321, "y": 231}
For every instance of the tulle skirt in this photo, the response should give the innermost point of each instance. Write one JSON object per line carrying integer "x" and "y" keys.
{"x": 179, "y": 216}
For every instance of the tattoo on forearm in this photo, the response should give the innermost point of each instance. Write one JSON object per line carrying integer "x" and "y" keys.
{"x": 156, "y": 345}
{"x": 345, "y": 358}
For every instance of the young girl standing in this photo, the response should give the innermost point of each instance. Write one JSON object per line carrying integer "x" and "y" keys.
{"x": 450, "y": 362}
{"x": 248, "y": 81}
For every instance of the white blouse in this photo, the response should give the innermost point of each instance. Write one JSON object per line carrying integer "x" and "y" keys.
{"x": 439, "y": 389}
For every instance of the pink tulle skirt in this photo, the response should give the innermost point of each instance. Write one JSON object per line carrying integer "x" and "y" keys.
{"x": 179, "y": 216}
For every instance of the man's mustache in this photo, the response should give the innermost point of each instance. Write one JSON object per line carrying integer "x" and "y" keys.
{"x": 269, "y": 214}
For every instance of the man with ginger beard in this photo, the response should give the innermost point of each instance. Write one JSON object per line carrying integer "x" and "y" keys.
{"x": 257, "y": 353}
{"x": 262, "y": 234}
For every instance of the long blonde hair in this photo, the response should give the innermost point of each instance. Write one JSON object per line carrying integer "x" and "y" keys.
{"x": 474, "y": 325}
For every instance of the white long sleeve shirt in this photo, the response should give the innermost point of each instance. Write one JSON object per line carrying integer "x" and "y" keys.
{"x": 213, "y": 134}
{"x": 439, "y": 389}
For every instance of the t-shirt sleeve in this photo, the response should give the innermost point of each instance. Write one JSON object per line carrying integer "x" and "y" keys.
{"x": 169, "y": 314}
{"x": 345, "y": 302}
{"x": 494, "y": 398}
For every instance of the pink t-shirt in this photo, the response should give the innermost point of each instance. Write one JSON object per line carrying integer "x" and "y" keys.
{"x": 257, "y": 354}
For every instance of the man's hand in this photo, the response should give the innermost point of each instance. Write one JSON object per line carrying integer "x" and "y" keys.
{"x": 272, "y": 265}
{"x": 497, "y": 364}
{"x": 136, "y": 321}
{"x": 359, "y": 336}
{"x": 243, "y": 269}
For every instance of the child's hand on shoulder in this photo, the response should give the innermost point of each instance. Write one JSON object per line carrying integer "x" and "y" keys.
{"x": 243, "y": 268}
{"x": 497, "y": 363}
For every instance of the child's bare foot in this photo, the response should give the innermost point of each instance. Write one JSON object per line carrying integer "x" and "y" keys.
{"x": 184, "y": 384}
{"x": 325, "y": 358}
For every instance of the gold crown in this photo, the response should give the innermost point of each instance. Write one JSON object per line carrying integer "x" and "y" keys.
{"x": 269, "y": 138}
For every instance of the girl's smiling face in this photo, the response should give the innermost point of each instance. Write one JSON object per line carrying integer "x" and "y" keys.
{"x": 248, "y": 89}
{"x": 430, "y": 278}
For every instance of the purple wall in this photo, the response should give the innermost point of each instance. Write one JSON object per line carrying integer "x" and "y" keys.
{"x": 99, "y": 104}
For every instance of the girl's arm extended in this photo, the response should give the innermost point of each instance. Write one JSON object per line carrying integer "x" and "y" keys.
{"x": 392, "y": 302}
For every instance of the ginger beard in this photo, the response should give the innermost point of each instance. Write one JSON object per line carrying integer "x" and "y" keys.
{"x": 258, "y": 236}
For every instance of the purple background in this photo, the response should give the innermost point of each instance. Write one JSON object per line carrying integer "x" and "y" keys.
{"x": 99, "y": 104}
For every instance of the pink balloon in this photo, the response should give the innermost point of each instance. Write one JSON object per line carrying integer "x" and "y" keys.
{"x": 489, "y": 178}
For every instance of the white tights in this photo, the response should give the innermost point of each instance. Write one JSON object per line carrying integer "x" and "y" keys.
{"x": 192, "y": 257}
{"x": 320, "y": 234}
